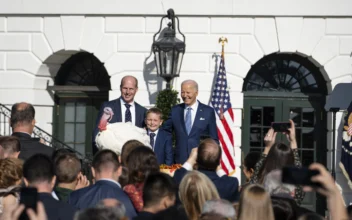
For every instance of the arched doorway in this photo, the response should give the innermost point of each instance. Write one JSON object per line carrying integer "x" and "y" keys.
{"x": 281, "y": 87}
{"x": 81, "y": 84}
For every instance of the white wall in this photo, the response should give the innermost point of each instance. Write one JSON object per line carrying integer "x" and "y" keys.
{"x": 37, "y": 37}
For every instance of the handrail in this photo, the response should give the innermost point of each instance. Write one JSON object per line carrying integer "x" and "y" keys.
{"x": 39, "y": 133}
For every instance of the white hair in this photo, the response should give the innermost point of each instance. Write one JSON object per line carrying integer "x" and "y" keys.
{"x": 219, "y": 206}
{"x": 190, "y": 81}
{"x": 273, "y": 185}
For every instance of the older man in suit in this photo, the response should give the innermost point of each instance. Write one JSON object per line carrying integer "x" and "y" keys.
{"x": 125, "y": 109}
{"x": 106, "y": 171}
{"x": 190, "y": 121}
{"x": 207, "y": 156}
{"x": 22, "y": 122}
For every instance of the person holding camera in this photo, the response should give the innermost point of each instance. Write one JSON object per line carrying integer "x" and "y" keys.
{"x": 277, "y": 156}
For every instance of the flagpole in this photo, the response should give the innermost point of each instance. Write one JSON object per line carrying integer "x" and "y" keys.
{"x": 222, "y": 40}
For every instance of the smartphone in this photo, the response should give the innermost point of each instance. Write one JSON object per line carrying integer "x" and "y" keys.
{"x": 281, "y": 126}
{"x": 28, "y": 197}
{"x": 299, "y": 176}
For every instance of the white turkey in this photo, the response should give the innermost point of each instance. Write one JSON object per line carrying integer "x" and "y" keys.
{"x": 113, "y": 136}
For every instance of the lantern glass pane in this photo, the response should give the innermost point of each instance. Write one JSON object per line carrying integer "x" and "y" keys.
{"x": 157, "y": 61}
{"x": 179, "y": 63}
{"x": 167, "y": 62}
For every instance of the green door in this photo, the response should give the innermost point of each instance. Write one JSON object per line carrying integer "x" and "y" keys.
{"x": 308, "y": 118}
{"x": 76, "y": 117}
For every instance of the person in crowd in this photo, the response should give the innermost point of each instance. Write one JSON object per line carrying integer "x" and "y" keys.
{"x": 13, "y": 212}
{"x": 100, "y": 213}
{"x": 207, "y": 156}
{"x": 22, "y": 122}
{"x": 249, "y": 163}
{"x": 68, "y": 175}
{"x": 10, "y": 147}
{"x": 10, "y": 181}
{"x": 335, "y": 202}
{"x": 282, "y": 196}
{"x": 127, "y": 148}
{"x": 38, "y": 172}
{"x": 125, "y": 151}
{"x": 214, "y": 216}
{"x": 220, "y": 207}
{"x": 106, "y": 170}
{"x": 160, "y": 140}
{"x": 112, "y": 203}
{"x": 125, "y": 109}
{"x": 278, "y": 155}
{"x": 190, "y": 120}
{"x": 159, "y": 193}
{"x": 195, "y": 189}
{"x": 255, "y": 204}
{"x": 141, "y": 162}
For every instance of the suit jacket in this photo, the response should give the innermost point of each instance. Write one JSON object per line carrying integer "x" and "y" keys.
{"x": 204, "y": 125}
{"x": 31, "y": 146}
{"x": 102, "y": 189}
{"x": 163, "y": 147}
{"x": 227, "y": 186}
{"x": 144, "y": 215}
{"x": 116, "y": 107}
{"x": 56, "y": 210}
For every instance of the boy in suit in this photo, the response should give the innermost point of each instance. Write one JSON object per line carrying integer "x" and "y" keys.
{"x": 160, "y": 140}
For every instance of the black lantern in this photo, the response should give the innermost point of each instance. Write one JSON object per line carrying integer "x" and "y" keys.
{"x": 168, "y": 50}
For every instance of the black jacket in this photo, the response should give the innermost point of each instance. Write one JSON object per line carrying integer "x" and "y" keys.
{"x": 31, "y": 146}
{"x": 56, "y": 210}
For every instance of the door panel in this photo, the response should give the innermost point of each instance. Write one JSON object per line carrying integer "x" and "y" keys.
{"x": 76, "y": 117}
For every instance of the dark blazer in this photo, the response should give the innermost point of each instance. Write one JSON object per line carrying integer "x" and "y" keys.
{"x": 31, "y": 146}
{"x": 163, "y": 147}
{"x": 115, "y": 105}
{"x": 204, "y": 125}
{"x": 56, "y": 210}
{"x": 102, "y": 189}
{"x": 227, "y": 186}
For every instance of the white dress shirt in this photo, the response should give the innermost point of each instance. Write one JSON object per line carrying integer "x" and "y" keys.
{"x": 156, "y": 134}
{"x": 194, "y": 108}
{"x": 132, "y": 109}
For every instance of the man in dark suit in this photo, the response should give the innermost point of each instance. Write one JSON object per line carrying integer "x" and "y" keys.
{"x": 159, "y": 193}
{"x": 160, "y": 140}
{"x": 207, "y": 156}
{"x": 125, "y": 109}
{"x": 38, "y": 172}
{"x": 190, "y": 120}
{"x": 22, "y": 122}
{"x": 106, "y": 170}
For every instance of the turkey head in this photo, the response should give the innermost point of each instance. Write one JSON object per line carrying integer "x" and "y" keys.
{"x": 105, "y": 118}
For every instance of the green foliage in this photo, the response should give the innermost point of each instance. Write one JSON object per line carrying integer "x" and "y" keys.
{"x": 165, "y": 100}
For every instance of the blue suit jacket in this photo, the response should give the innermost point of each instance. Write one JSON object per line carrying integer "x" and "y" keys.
{"x": 116, "y": 107}
{"x": 56, "y": 209}
{"x": 227, "y": 186}
{"x": 102, "y": 189}
{"x": 163, "y": 147}
{"x": 204, "y": 125}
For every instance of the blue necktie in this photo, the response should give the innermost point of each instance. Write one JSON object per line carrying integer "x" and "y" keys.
{"x": 152, "y": 135}
{"x": 188, "y": 120}
{"x": 128, "y": 116}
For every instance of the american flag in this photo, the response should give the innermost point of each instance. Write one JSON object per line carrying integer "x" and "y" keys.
{"x": 220, "y": 101}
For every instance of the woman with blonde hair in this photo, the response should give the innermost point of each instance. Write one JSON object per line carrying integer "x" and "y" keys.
{"x": 255, "y": 204}
{"x": 10, "y": 180}
{"x": 195, "y": 189}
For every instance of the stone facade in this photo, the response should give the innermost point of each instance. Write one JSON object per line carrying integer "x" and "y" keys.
{"x": 36, "y": 38}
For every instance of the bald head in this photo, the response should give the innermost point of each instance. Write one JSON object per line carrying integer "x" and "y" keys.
{"x": 22, "y": 115}
{"x": 209, "y": 155}
{"x": 190, "y": 83}
{"x": 129, "y": 79}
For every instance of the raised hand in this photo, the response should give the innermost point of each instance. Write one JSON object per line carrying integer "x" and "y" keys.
{"x": 269, "y": 140}
{"x": 82, "y": 182}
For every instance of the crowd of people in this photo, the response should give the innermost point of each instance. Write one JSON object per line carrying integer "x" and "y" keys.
{"x": 130, "y": 185}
